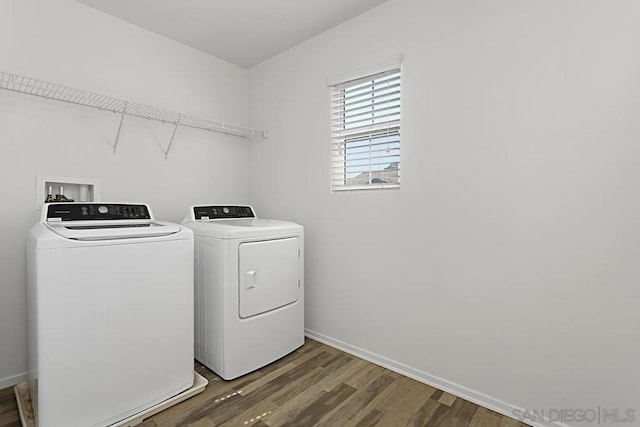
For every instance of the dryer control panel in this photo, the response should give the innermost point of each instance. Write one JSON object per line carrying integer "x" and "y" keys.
{"x": 95, "y": 211}
{"x": 222, "y": 212}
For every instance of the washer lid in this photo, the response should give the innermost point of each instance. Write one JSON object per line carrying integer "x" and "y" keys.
{"x": 108, "y": 230}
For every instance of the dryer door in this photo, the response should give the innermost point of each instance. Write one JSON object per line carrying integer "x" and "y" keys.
{"x": 268, "y": 275}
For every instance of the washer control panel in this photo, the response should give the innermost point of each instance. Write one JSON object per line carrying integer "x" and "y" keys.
{"x": 222, "y": 212}
{"x": 95, "y": 212}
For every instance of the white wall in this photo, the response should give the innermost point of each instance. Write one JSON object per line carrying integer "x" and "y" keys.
{"x": 71, "y": 44}
{"x": 506, "y": 267}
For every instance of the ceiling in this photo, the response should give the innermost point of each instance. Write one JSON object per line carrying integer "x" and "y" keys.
{"x": 243, "y": 32}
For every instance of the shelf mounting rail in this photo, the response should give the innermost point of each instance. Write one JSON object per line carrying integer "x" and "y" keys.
{"x": 47, "y": 90}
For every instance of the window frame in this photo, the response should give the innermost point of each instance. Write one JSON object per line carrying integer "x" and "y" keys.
{"x": 372, "y": 128}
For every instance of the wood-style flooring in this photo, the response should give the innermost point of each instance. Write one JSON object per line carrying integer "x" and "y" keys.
{"x": 316, "y": 385}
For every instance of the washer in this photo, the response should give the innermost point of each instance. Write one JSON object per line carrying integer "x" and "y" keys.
{"x": 110, "y": 297}
{"x": 249, "y": 284}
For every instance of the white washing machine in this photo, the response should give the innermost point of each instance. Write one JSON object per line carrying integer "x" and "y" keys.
{"x": 110, "y": 296}
{"x": 249, "y": 285}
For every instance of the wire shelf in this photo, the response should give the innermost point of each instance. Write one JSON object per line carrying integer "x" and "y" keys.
{"x": 48, "y": 90}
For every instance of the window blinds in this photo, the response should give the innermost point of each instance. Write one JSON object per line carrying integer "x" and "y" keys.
{"x": 365, "y": 129}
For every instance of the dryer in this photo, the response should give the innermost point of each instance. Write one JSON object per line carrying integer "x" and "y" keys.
{"x": 249, "y": 288}
{"x": 110, "y": 299}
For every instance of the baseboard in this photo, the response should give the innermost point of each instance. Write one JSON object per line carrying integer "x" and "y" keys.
{"x": 13, "y": 380}
{"x": 458, "y": 390}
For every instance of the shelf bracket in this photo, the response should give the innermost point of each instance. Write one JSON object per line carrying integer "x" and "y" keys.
{"x": 173, "y": 135}
{"x": 124, "y": 112}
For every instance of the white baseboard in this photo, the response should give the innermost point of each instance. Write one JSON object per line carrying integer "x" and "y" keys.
{"x": 13, "y": 380}
{"x": 458, "y": 390}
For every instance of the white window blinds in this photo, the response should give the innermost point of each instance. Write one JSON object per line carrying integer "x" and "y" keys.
{"x": 365, "y": 129}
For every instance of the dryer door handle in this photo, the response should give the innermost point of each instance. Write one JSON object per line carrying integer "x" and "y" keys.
{"x": 250, "y": 279}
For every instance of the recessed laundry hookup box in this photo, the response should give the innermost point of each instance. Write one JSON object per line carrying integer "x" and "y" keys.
{"x": 61, "y": 189}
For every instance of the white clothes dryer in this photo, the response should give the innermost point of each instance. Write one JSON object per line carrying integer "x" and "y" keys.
{"x": 249, "y": 288}
{"x": 110, "y": 298}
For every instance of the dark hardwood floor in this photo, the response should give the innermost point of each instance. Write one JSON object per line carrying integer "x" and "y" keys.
{"x": 8, "y": 411}
{"x": 316, "y": 385}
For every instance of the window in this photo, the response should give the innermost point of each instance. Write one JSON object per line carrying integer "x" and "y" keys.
{"x": 365, "y": 130}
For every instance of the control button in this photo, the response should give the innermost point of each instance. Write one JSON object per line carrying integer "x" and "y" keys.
{"x": 84, "y": 210}
{"x": 103, "y": 209}
{"x": 225, "y": 210}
